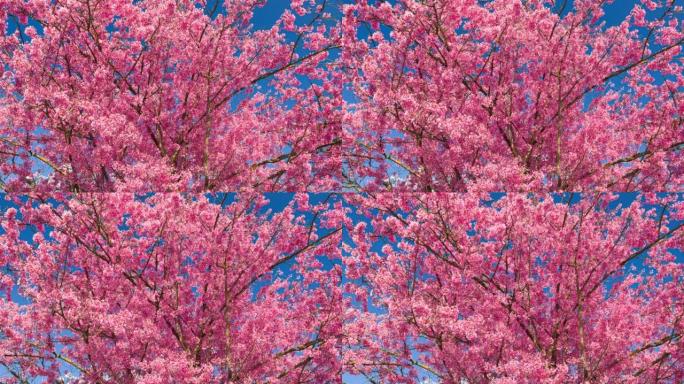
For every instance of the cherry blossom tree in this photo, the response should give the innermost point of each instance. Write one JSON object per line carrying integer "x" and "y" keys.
{"x": 443, "y": 95}
{"x": 166, "y": 96}
{"x": 455, "y": 288}
{"x": 524, "y": 289}
{"x": 513, "y": 95}
{"x": 117, "y": 115}
{"x": 171, "y": 288}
